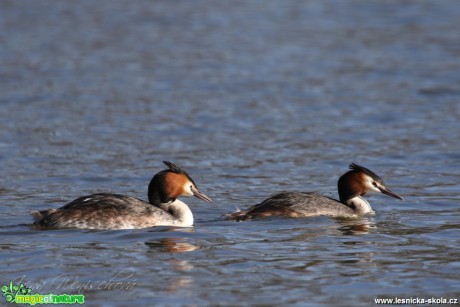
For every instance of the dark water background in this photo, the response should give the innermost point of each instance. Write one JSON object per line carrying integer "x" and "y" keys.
{"x": 251, "y": 97}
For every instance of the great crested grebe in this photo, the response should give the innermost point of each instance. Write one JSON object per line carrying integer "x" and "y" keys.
{"x": 352, "y": 186}
{"x": 115, "y": 211}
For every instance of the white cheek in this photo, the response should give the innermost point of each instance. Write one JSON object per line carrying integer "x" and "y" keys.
{"x": 371, "y": 187}
{"x": 187, "y": 190}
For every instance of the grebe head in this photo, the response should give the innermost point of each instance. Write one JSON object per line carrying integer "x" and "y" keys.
{"x": 359, "y": 181}
{"x": 171, "y": 183}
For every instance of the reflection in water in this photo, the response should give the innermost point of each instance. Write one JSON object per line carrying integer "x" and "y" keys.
{"x": 357, "y": 251}
{"x": 358, "y": 227}
{"x": 179, "y": 283}
{"x": 175, "y": 245}
{"x": 172, "y": 245}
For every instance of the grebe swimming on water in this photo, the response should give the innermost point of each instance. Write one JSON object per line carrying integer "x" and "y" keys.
{"x": 115, "y": 211}
{"x": 352, "y": 186}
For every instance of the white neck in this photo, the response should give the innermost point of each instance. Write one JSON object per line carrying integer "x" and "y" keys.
{"x": 180, "y": 211}
{"x": 360, "y": 205}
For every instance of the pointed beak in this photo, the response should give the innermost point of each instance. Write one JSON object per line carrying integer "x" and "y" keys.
{"x": 388, "y": 192}
{"x": 200, "y": 195}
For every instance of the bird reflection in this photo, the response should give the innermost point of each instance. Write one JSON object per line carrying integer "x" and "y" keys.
{"x": 175, "y": 245}
{"x": 357, "y": 228}
{"x": 172, "y": 245}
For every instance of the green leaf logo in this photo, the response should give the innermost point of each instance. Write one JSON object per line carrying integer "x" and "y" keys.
{"x": 10, "y": 291}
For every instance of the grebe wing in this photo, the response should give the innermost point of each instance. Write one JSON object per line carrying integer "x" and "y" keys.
{"x": 287, "y": 199}
{"x": 103, "y": 200}
{"x": 284, "y": 203}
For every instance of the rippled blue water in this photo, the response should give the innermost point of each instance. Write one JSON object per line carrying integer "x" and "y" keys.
{"x": 252, "y": 98}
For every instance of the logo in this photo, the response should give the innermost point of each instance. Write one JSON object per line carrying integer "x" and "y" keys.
{"x": 23, "y": 295}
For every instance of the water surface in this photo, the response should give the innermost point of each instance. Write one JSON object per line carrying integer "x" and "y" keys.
{"x": 251, "y": 98}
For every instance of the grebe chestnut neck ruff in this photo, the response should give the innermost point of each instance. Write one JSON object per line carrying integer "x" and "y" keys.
{"x": 115, "y": 211}
{"x": 351, "y": 186}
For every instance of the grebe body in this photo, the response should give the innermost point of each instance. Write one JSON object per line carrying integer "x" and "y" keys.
{"x": 352, "y": 186}
{"x": 115, "y": 211}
